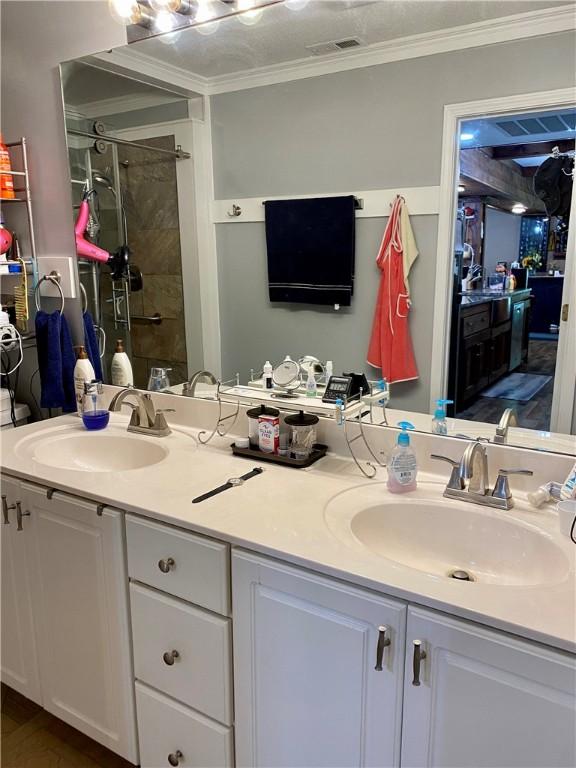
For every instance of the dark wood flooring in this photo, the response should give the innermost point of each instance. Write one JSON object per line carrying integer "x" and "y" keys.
{"x": 534, "y": 413}
{"x": 32, "y": 738}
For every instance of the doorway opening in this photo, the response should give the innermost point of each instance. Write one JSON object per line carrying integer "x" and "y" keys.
{"x": 508, "y": 281}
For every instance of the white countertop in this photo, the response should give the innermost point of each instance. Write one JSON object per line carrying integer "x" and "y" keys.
{"x": 282, "y": 513}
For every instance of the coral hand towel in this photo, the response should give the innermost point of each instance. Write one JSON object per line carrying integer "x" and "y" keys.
{"x": 390, "y": 344}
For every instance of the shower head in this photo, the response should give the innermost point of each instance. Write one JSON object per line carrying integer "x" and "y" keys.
{"x": 100, "y": 178}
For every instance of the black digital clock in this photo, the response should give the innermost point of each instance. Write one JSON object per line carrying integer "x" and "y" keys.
{"x": 337, "y": 387}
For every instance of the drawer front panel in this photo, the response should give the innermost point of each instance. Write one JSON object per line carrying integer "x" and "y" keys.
{"x": 172, "y": 734}
{"x": 188, "y": 566}
{"x": 182, "y": 651}
{"x": 475, "y": 323}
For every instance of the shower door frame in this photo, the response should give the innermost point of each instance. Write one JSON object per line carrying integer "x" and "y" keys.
{"x": 563, "y": 401}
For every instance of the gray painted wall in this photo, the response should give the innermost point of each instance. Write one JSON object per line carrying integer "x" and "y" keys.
{"x": 36, "y": 37}
{"x": 501, "y": 237}
{"x": 372, "y": 128}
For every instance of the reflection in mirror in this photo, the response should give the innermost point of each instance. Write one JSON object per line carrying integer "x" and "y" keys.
{"x": 124, "y": 150}
{"x": 302, "y": 214}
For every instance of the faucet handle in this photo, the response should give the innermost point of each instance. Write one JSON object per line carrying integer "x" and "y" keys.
{"x": 502, "y": 487}
{"x": 455, "y": 482}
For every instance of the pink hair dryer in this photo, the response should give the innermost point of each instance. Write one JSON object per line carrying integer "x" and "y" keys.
{"x": 118, "y": 261}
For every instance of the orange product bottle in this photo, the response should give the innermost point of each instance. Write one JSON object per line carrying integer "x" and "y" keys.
{"x": 6, "y": 180}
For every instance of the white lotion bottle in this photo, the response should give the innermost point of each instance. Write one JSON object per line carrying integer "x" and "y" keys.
{"x": 402, "y": 465}
{"x": 83, "y": 374}
{"x": 121, "y": 368}
{"x": 267, "y": 371}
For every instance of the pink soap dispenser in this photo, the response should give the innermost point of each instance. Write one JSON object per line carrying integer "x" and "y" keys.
{"x": 402, "y": 466}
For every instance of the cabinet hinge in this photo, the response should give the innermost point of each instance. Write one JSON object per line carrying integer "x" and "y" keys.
{"x": 565, "y": 308}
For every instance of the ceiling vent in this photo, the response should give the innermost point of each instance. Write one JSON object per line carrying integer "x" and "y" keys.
{"x": 333, "y": 46}
{"x": 541, "y": 125}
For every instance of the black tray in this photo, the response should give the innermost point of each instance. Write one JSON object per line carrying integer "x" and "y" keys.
{"x": 318, "y": 451}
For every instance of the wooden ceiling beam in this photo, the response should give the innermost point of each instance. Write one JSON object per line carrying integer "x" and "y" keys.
{"x": 533, "y": 149}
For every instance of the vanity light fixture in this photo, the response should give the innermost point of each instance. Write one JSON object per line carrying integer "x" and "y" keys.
{"x": 129, "y": 12}
{"x": 519, "y": 208}
{"x": 164, "y": 22}
{"x": 171, "y": 6}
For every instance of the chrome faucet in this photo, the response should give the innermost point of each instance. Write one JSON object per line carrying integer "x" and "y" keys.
{"x": 469, "y": 479}
{"x": 189, "y": 387}
{"x": 509, "y": 419}
{"x": 474, "y": 469}
{"x": 145, "y": 419}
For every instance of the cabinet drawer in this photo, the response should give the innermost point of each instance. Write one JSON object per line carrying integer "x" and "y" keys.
{"x": 188, "y": 566}
{"x": 475, "y": 323}
{"x": 167, "y": 728}
{"x": 200, "y": 674}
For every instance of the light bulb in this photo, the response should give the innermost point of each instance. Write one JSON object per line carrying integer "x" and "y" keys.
{"x": 165, "y": 5}
{"x": 518, "y": 208}
{"x": 125, "y": 11}
{"x": 205, "y": 12}
{"x": 296, "y": 5}
{"x": 248, "y": 13}
{"x": 164, "y": 22}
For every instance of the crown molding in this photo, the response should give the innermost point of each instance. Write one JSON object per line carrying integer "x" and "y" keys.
{"x": 146, "y": 69}
{"x": 121, "y": 104}
{"x": 520, "y": 26}
{"x": 478, "y": 34}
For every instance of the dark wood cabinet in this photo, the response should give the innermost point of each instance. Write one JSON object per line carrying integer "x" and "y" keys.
{"x": 474, "y": 365}
{"x": 492, "y": 340}
{"x": 499, "y": 351}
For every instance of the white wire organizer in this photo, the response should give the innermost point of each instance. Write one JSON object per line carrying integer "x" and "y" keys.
{"x": 356, "y": 411}
{"x": 24, "y": 196}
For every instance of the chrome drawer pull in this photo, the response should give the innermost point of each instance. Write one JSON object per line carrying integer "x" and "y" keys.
{"x": 6, "y": 508}
{"x": 175, "y": 757}
{"x": 20, "y": 515}
{"x": 383, "y": 642}
{"x": 166, "y": 565}
{"x": 419, "y": 655}
{"x": 170, "y": 657}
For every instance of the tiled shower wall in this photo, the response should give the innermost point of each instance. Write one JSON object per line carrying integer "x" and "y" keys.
{"x": 149, "y": 187}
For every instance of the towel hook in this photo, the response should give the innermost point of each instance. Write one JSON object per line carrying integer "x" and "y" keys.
{"x": 235, "y": 211}
{"x": 53, "y": 278}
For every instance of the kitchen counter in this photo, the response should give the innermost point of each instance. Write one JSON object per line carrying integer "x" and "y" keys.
{"x": 469, "y": 299}
{"x": 281, "y": 513}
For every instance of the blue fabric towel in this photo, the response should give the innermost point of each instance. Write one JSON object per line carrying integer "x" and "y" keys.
{"x": 56, "y": 361}
{"x": 92, "y": 346}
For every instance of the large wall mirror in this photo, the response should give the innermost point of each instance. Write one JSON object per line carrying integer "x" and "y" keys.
{"x": 243, "y": 181}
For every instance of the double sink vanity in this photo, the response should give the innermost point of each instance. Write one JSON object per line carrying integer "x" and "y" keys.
{"x": 304, "y": 618}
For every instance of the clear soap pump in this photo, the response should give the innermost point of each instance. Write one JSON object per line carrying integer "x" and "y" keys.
{"x": 439, "y": 423}
{"x": 402, "y": 466}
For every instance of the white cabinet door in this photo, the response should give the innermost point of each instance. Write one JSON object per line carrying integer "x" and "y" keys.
{"x": 81, "y": 608}
{"x": 306, "y": 689}
{"x": 485, "y": 699}
{"x": 18, "y": 649}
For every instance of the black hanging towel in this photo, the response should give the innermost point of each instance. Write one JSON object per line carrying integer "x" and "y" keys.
{"x": 310, "y": 246}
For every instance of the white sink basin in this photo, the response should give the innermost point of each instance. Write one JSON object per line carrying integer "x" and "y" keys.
{"x": 112, "y": 450}
{"x": 440, "y": 536}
